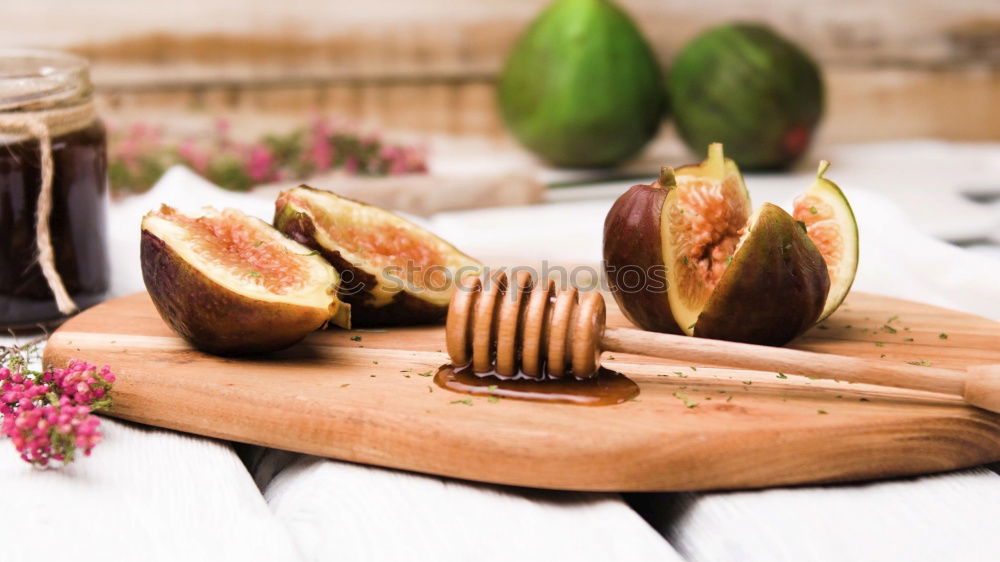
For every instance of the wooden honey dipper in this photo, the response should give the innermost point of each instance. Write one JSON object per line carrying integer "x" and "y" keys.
{"x": 530, "y": 330}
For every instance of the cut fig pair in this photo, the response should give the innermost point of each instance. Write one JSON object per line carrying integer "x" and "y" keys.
{"x": 684, "y": 254}
{"x": 233, "y": 284}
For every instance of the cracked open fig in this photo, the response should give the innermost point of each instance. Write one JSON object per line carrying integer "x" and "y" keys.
{"x": 694, "y": 216}
{"x": 231, "y": 284}
{"x": 773, "y": 289}
{"x": 762, "y": 279}
{"x": 393, "y": 271}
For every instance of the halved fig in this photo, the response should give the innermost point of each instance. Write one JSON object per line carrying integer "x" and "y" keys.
{"x": 231, "y": 284}
{"x": 773, "y": 290}
{"x": 686, "y": 225}
{"x": 393, "y": 271}
{"x": 633, "y": 254}
{"x": 831, "y": 225}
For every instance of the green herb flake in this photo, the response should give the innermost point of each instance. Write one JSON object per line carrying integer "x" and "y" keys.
{"x": 686, "y": 260}
{"x": 863, "y": 400}
{"x": 493, "y": 399}
{"x": 693, "y": 368}
{"x": 889, "y": 329}
{"x": 942, "y": 336}
{"x": 813, "y": 210}
{"x": 253, "y": 273}
{"x": 728, "y": 398}
{"x": 729, "y": 260}
{"x": 346, "y": 384}
{"x": 782, "y": 376}
{"x": 683, "y": 397}
{"x": 425, "y": 374}
{"x": 848, "y": 327}
{"x": 879, "y": 344}
{"x": 258, "y": 244}
{"x": 823, "y": 327}
{"x": 748, "y": 383}
{"x": 491, "y": 388}
{"x": 822, "y": 412}
{"x": 355, "y": 338}
{"x": 921, "y": 363}
{"x": 907, "y": 339}
{"x": 466, "y": 401}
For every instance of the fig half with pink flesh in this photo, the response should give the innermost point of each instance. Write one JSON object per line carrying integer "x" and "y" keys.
{"x": 679, "y": 230}
{"x": 231, "y": 284}
{"x": 393, "y": 271}
{"x": 831, "y": 225}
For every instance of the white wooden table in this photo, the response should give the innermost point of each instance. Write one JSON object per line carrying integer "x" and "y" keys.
{"x": 150, "y": 494}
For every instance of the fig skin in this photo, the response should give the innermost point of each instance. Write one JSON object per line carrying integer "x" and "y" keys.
{"x": 633, "y": 255}
{"x": 358, "y": 287}
{"x": 213, "y": 318}
{"x": 774, "y": 289}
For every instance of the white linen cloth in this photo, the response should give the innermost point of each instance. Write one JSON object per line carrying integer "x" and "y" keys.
{"x": 154, "y": 494}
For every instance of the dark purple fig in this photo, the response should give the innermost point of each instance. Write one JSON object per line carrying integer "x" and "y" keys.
{"x": 681, "y": 229}
{"x": 231, "y": 284}
{"x": 633, "y": 255}
{"x": 393, "y": 271}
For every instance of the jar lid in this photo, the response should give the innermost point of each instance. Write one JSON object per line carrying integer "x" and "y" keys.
{"x": 32, "y": 79}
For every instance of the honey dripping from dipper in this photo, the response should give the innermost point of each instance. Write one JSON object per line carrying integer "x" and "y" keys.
{"x": 527, "y": 341}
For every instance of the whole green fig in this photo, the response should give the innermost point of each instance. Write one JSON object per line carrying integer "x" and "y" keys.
{"x": 747, "y": 87}
{"x": 581, "y": 87}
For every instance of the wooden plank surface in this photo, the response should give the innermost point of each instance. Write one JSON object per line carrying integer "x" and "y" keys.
{"x": 365, "y": 401}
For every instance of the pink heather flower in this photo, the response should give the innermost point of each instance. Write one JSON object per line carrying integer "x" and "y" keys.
{"x": 320, "y": 153}
{"x": 82, "y": 383}
{"x": 49, "y": 416}
{"x": 351, "y": 164}
{"x": 53, "y": 432}
{"x": 259, "y": 163}
{"x": 18, "y": 390}
{"x": 192, "y": 156}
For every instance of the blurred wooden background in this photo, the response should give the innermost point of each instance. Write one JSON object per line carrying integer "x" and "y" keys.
{"x": 894, "y": 68}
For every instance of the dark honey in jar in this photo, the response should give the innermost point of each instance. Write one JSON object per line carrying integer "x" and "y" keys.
{"x": 50, "y": 90}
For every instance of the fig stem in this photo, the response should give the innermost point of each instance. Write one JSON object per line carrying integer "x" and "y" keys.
{"x": 716, "y": 160}
{"x": 823, "y": 165}
{"x": 667, "y": 178}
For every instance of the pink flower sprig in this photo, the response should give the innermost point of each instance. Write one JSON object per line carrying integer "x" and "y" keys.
{"x": 139, "y": 155}
{"x": 48, "y": 415}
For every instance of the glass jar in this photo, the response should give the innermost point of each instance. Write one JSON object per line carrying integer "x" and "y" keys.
{"x": 50, "y": 268}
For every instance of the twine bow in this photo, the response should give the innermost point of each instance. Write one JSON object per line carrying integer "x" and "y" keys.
{"x": 40, "y": 125}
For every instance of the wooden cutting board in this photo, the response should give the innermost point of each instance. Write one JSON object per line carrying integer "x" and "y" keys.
{"x": 362, "y": 396}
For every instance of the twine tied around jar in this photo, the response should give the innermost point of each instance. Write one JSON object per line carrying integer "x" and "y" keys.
{"x": 43, "y": 125}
